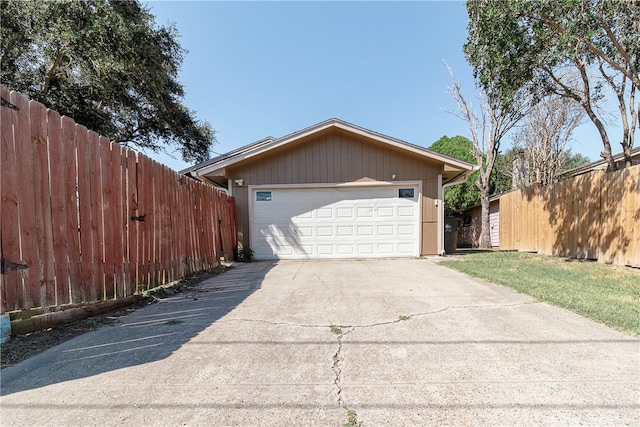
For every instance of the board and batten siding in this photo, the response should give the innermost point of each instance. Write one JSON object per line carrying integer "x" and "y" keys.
{"x": 338, "y": 157}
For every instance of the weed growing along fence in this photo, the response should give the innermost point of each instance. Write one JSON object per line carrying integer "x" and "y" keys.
{"x": 85, "y": 219}
{"x": 591, "y": 216}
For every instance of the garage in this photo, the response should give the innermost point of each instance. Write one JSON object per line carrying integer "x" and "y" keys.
{"x": 363, "y": 221}
{"x": 335, "y": 190}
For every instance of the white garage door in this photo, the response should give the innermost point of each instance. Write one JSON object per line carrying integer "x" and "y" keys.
{"x": 337, "y": 222}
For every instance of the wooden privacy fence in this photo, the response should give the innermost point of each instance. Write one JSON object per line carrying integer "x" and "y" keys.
{"x": 85, "y": 219}
{"x": 591, "y": 216}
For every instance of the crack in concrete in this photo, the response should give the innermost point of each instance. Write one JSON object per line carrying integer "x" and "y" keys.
{"x": 400, "y": 318}
{"x": 337, "y": 370}
{"x": 403, "y": 318}
{"x": 295, "y": 275}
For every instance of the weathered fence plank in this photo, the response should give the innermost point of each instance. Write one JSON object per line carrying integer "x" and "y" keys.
{"x": 9, "y": 210}
{"x": 59, "y": 208}
{"x": 84, "y": 153}
{"x": 131, "y": 212}
{"x": 72, "y": 207}
{"x": 29, "y": 294}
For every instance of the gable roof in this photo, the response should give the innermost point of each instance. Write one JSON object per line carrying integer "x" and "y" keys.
{"x": 457, "y": 168}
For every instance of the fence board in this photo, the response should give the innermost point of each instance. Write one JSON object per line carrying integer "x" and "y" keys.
{"x": 119, "y": 251}
{"x": 142, "y": 224}
{"x": 84, "y": 155}
{"x": 72, "y": 207}
{"x": 132, "y": 211}
{"x": 42, "y": 191}
{"x": 191, "y": 227}
{"x": 167, "y": 228}
{"x": 96, "y": 217}
{"x": 9, "y": 222}
{"x": 59, "y": 211}
{"x": 106, "y": 218}
{"x": 29, "y": 293}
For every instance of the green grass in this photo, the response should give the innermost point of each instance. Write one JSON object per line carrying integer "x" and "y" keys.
{"x": 352, "y": 420}
{"x": 604, "y": 293}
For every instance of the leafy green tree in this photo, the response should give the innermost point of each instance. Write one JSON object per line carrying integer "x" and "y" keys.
{"x": 461, "y": 197}
{"x": 574, "y": 160}
{"x": 574, "y": 48}
{"x": 106, "y": 64}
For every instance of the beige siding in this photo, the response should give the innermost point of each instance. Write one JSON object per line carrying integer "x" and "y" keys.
{"x": 335, "y": 157}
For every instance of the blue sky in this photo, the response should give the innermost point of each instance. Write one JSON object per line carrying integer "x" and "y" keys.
{"x": 257, "y": 69}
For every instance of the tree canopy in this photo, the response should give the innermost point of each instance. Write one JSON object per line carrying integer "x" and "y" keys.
{"x": 576, "y": 48}
{"x": 461, "y": 197}
{"x": 107, "y": 65}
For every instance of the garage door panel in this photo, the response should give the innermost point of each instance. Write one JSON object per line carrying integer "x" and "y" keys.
{"x": 406, "y": 248}
{"x": 385, "y": 211}
{"x": 264, "y": 215}
{"x": 306, "y": 250}
{"x": 385, "y": 248}
{"x": 364, "y": 230}
{"x": 336, "y": 223}
{"x": 365, "y": 212}
{"x": 345, "y": 249}
{"x": 271, "y": 231}
{"x": 406, "y": 229}
{"x": 305, "y": 231}
{"x": 324, "y": 213}
{"x": 385, "y": 230}
{"x": 365, "y": 248}
{"x": 344, "y": 230}
{"x": 325, "y": 249}
{"x": 326, "y": 231}
{"x": 406, "y": 211}
{"x": 344, "y": 212}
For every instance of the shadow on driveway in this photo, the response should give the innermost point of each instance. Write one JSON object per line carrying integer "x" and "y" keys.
{"x": 147, "y": 335}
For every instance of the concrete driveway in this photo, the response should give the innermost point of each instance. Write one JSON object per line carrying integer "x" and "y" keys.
{"x": 384, "y": 342}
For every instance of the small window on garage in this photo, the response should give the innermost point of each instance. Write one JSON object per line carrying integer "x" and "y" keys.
{"x": 263, "y": 196}
{"x": 406, "y": 193}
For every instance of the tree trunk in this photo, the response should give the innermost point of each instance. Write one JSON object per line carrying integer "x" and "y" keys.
{"x": 485, "y": 231}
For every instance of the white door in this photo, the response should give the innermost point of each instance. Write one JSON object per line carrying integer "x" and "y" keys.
{"x": 494, "y": 223}
{"x": 336, "y": 222}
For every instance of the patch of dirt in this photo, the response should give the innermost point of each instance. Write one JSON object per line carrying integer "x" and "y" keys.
{"x": 22, "y": 347}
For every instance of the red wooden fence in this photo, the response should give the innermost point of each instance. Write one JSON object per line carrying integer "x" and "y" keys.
{"x": 84, "y": 219}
